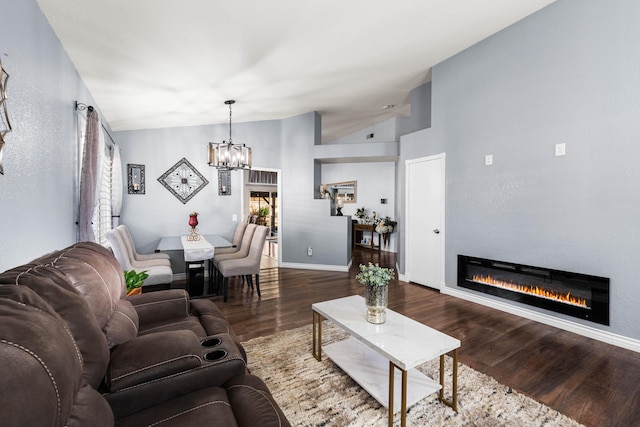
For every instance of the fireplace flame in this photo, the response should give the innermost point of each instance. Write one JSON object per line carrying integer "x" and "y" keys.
{"x": 531, "y": 290}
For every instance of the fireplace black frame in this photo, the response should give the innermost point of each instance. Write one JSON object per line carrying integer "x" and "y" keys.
{"x": 597, "y": 287}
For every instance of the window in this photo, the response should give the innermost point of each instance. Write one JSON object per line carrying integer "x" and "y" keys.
{"x": 102, "y": 212}
{"x": 107, "y": 192}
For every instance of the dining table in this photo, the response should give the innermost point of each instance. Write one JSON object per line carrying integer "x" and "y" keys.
{"x": 197, "y": 254}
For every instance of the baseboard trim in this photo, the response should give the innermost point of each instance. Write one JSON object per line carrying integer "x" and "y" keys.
{"x": 323, "y": 267}
{"x": 587, "y": 331}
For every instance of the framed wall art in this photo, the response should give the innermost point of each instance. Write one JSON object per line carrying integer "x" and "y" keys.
{"x": 183, "y": 180}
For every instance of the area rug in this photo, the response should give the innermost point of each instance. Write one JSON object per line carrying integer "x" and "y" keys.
{"x": 313, "y": 393}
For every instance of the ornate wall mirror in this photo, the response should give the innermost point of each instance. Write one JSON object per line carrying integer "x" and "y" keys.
{"x": 135, "y": 179}
{"x": 5, "y": 124}
{"x": 224, "y": 182}
{"x": 347, "y": 191}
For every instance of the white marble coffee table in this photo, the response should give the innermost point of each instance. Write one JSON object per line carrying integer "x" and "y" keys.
{"x": 372, "y": 353}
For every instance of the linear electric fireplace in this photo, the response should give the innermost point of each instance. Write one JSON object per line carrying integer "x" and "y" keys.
{"x": 573, "y": 294}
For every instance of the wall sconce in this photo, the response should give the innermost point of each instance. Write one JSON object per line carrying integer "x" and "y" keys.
{"x": 135, "y": 179}
{"x": 224, "y": 182}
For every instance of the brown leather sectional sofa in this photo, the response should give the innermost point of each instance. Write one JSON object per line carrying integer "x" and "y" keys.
{"x": 75, "y": 351}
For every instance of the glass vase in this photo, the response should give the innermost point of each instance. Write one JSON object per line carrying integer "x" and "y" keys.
{"x": 376, "y": 299}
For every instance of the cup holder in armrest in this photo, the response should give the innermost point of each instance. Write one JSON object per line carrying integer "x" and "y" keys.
{"x": 211, "y": 342}
{"x": 215, "y": 355}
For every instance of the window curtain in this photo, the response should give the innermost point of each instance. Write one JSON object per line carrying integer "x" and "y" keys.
{"x": 89, "y": 177}
{"x": 116, "y": 187}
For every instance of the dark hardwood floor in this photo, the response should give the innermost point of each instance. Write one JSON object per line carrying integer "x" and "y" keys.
{"x": 592, "y": 382}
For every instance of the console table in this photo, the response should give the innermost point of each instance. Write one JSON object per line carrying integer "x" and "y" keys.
{"x": 365, "y": 228}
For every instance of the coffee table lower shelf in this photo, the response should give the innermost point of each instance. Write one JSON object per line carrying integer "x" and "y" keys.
{"x": 371, "y": 371}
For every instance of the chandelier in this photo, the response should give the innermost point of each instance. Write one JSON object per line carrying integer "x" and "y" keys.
{"x": 226, "y": 155}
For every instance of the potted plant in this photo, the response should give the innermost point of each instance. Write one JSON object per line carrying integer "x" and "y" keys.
{"x": 376, "y": 290}
{"x": 134, "y": 281}
{"x": 361, "y": 213}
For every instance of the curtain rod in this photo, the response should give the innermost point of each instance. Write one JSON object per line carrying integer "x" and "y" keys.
{"x": 81, "y": 107}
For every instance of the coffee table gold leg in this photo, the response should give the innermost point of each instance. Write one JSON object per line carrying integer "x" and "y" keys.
{"x": 317, "y": 336}
{"x": 403, "y": 402}
{"x": 391, "y": 403}
{"x": 453, "y": 403}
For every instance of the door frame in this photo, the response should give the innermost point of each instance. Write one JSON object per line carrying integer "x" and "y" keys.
{"x": 279, "y": 208}
{"x": 407, "y": 234}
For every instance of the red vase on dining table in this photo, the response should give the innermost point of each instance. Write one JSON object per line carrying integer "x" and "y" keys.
{"x": 193, "y": 220}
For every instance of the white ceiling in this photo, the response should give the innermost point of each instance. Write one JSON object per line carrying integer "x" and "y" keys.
{"x": 168, "y": 63}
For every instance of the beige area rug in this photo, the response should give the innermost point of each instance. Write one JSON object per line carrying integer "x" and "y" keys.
{"x": 313, "y": 393}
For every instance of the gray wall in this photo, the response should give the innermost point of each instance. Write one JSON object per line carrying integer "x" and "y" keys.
{"x": 37, "y": 191}
{"x": 306, "y": 221}
{"x": 279, "y": 144}
{"x": 568, "y": 74}
{"x": 158, "y": 212}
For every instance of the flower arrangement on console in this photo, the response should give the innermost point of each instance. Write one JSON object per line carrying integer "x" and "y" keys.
{"x": 361, "y": 212}
{"x": 373, "y": 274}
{"x": 386, "y": 225}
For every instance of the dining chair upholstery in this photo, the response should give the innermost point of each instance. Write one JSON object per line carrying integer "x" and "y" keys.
{"x": 237, "y": 240}
{"x": 247, "y": 266}
{"x": 137, "y": 259}
{"x": 158, "y": 274}
{"x": 243, "y": 251}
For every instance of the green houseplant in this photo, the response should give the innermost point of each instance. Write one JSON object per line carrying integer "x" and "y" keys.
{"x": 134, "y": 281}
{"x": 376, "y": 290}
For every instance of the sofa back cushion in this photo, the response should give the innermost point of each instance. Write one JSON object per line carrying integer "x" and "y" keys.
{"x": 95, "y": 273}
{"x": 41, "y": 371}
{"x": 53, "y": 287}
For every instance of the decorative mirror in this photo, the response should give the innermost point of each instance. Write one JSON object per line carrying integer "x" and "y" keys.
{"x": 135, "y": 179}
{"x": 5, "y": 124}
{"x": 224, "y": 182}
{"x": 347, "y": 191}
{"x": 183, "y": 180}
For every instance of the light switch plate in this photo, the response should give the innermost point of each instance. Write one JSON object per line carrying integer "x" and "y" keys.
{"x": 561, "y": 149}
{"x": 488, "y": 159}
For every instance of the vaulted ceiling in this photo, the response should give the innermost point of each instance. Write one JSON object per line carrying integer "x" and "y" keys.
{"x": 168, "y": 63}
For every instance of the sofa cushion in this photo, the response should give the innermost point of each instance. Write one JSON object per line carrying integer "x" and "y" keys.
{"x": 205, "y": 407}
{"x": 41, "y": 367}
{"x": 52, "y": 286}
{"x": 97, "y": 276}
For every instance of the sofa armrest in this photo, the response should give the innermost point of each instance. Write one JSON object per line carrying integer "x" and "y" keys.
{"x": 160, "y": 305}
{"x": 157, "y": 367}
{"x": 152, "y": 356}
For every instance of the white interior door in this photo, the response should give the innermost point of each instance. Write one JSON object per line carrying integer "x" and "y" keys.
{"x": 425, "y": 221}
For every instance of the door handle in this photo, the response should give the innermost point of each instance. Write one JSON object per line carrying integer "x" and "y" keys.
{"x": 436, "y": 231}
